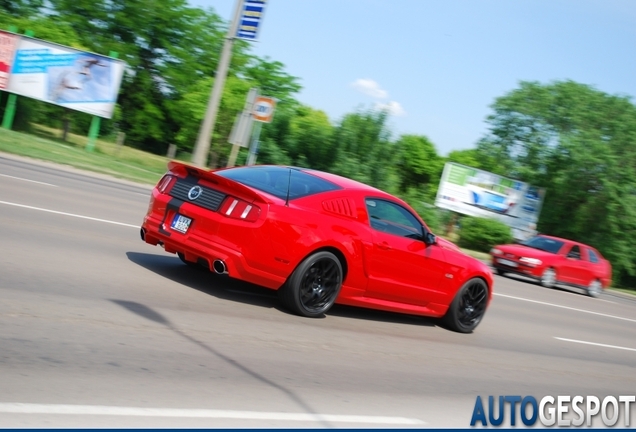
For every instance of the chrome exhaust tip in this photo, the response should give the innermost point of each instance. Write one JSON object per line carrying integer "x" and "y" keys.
{"x": 219, "y": 267}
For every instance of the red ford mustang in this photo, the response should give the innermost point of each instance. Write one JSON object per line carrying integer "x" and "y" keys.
{"x": 553, "y": 260}
{"x": 318, "y": 239}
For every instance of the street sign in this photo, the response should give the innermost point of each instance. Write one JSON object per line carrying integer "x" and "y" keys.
{"x": 250, "y": 19}
{"x": 263, "y": 110}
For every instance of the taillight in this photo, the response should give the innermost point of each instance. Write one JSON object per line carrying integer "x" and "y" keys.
{"x": 164, "y": 183}
{"x": 238, "y": 209}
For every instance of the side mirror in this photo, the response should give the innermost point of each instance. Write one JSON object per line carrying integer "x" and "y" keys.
{"x": 430, "y": 238}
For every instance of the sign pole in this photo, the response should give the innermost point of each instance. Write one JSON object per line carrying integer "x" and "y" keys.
{"x": 202, "y": 147}
{"x": 253, "y": 151}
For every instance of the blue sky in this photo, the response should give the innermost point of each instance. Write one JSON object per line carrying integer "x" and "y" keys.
{"x": 439, "y": 64}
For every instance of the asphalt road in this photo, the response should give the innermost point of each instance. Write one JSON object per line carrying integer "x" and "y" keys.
{"x": 98, "y": 329}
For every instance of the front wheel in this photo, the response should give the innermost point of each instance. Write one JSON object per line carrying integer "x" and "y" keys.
{"x": 314, "y": 286}
{"x": 468, "y": 307}
{"x": 595, "y": 288}
{"x": 548, "y": 278}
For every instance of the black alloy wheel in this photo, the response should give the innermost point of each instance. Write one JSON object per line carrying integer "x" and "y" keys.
{"x": 468, "y": 307}
{"x": 313, "y": 287}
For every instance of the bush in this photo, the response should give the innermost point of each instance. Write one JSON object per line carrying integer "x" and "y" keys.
{"x": 481, "y": 234}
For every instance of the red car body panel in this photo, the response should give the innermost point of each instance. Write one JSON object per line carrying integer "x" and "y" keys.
{"x": 576, "y": 271}
{"x": 381, "y": 271}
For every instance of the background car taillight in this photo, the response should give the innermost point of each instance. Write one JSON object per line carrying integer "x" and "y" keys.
{"x": 238, "y": 209}
{"x": 164, "y": 183}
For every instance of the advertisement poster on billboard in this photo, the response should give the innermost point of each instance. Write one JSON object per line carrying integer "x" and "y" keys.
{"x": 8, "y": 42}
{"x": 474, "y": 192}
{"x": 67, "y": 77}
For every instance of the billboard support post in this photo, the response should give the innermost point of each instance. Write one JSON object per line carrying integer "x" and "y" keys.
{"x": 9, "y": 112}
{"x": 93, "y": 132}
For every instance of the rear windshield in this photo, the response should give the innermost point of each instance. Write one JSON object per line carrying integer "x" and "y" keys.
{"x": 544, "y": 244}
{"x": 278, "y": 180}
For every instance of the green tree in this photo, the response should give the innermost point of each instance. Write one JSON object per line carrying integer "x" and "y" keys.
{"x": 419, "y": 164}
{"x": 310, "y": 136}
{"x": 364, "y": 150}
{"x": 21, "y": 7}
{"x": 468, "y": 157}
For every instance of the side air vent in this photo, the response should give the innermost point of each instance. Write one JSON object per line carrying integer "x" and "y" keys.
{"x": 341, "y": 206}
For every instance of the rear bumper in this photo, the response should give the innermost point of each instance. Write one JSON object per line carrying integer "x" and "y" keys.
{"x": 196, "y": 247}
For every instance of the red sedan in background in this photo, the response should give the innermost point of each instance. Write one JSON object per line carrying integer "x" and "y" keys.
{"x": 316, "y": 238}
{"x": 553, "y": 260}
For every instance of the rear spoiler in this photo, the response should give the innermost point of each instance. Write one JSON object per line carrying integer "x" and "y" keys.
{"x": 228, "y": 185}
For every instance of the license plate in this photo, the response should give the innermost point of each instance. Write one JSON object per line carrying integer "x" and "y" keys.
{"x": 508, "y": 263}
{"x": 181, "y": 223}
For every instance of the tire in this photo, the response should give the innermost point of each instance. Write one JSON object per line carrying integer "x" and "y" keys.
{"x": 314, "y": 285}
{"x": 468, "y": 307}
{"x": 548, "y": 278}
{"x": 595, "y": 288}
{"x": 499, "y": 271}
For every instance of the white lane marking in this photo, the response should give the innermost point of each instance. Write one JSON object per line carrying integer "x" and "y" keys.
{"x": 69, "y": 214}
{"x": 596, "y": 344}
{"x": 27, "y": 180}
{"x": 566, "y": 307}
{"x": 25, "y": 408}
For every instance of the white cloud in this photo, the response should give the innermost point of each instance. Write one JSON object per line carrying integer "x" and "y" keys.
{"x": 393, "y": 108}
{"x": 370, "y": 88}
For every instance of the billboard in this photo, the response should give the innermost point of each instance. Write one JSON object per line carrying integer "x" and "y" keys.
{"x": 64, "y": 76}
{"x": 474, "y": 192}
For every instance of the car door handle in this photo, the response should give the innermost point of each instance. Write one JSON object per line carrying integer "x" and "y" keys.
{"x": 383, "y": 246}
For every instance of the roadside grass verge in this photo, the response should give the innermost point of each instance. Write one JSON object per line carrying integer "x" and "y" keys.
{"x": 106, "y": 158}
{"x": 630, "y": 291}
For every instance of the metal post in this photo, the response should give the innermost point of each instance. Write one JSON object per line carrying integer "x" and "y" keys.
{"x": 199, "y": 155}
{"x": 9, "y": 112}
{"x": 251, "y": 157}
{"x": 93, "y": 132}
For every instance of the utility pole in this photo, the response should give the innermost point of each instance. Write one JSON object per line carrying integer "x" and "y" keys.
{"x": 202, "y": 147}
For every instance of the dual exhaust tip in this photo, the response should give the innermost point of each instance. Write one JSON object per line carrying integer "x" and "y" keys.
{"x": 219, "y": 267}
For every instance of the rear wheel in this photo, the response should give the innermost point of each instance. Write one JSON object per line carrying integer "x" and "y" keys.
{"x": 548, "y": 278}
{"x": 595, "y": 288}
{"x": 468, "y": 307}
{"x": 313, "y": 287}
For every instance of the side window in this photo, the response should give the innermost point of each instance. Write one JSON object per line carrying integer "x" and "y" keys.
{"x": 575, "y": 252}
{"x": 392, "y": 218}
{"x": 593, "y": 256}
